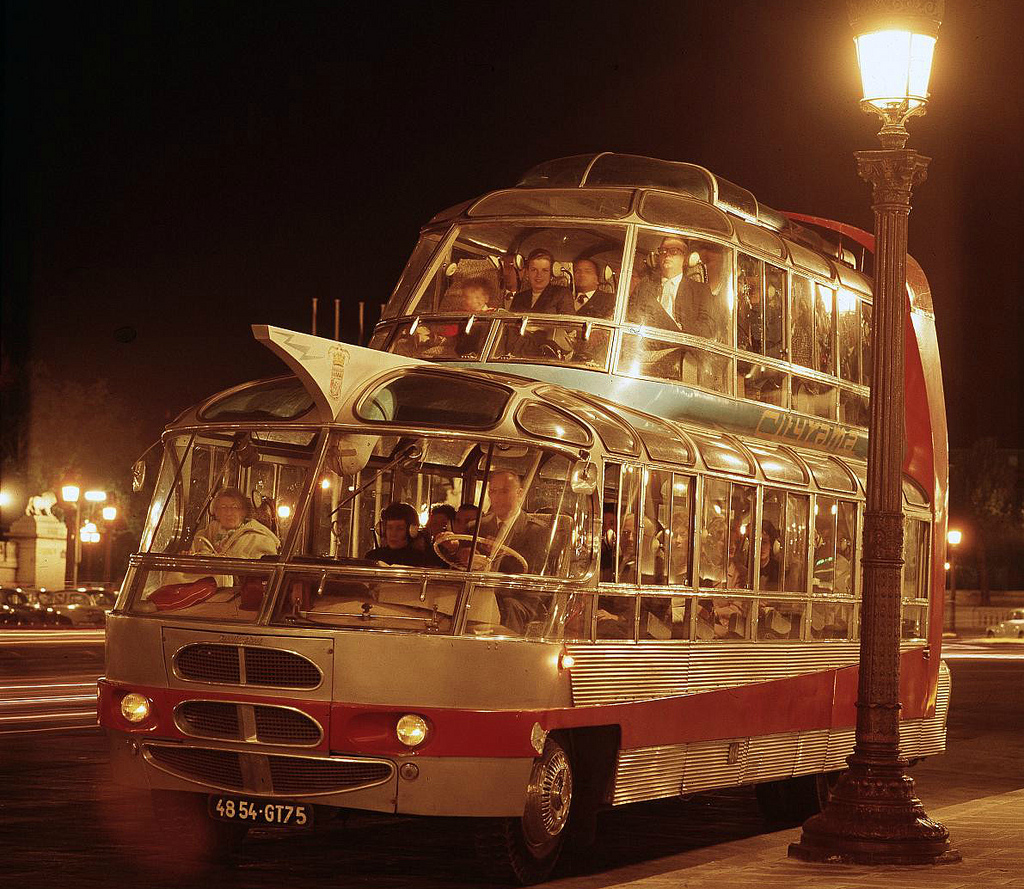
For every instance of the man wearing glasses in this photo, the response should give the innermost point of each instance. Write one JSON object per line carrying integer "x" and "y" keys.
{"x": 676, "y": 301}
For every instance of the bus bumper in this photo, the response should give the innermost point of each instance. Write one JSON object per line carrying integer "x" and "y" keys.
{"x": 443, "y": 786}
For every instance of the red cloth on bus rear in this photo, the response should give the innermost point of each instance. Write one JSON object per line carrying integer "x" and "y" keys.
{"x": 181, "y": 595}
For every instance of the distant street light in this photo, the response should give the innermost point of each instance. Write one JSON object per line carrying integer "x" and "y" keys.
{"x": 70, "y": 493}
{"x": 109, "y": 513}
{"x": 873, "y": 816}
{"x": 96, "y": 496}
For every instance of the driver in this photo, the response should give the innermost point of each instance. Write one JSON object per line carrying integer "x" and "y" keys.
{"x": 233, "y": 532}
{"x": 508, "y": 524}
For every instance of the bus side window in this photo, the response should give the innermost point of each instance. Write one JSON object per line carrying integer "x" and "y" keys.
{"x": 627, "y": 557}
{"x": 770, "y": 543}
{"x": 619, "y": 549}
{"x": 727, "y": 556}
{"x": 714, "y": 537}
{"x": 655, "y": 531}
{"x": 825, "y": 509}
{"x": 798, "y": 510}
{"x": 915, "y": 559}
{"x": 846, "y": 534}
{"x": 680, "y": 549}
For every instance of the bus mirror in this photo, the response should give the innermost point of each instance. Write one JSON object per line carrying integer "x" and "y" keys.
{"x": 584, "y": 478}
{"x": 351, "y": 453}
{"x": 138, "y": 475}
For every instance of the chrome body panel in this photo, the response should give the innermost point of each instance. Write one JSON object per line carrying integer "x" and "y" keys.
{"x": 135, "y": 651}
{"x": 692, "y": 405}
{"x": 658, "y": 772}
{"x": 466, "y": 673}
{"x": 466, "y": 786}
{"x": 616, "y": 672}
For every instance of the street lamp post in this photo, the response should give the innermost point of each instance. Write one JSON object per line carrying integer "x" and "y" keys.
{"x": 873, "y": 816}
{"x": 953, "y": 538}
{"x": 69, "y": 494}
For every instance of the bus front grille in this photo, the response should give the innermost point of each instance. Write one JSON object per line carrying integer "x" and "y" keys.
{"x": 280, "y": 725}
{"x": 246, "y": 665}
{"x": 209, "y": 719}
{"x": 268, "y": 774}
{"x": 255, "y": 723}
{"x": 218, "y": 768}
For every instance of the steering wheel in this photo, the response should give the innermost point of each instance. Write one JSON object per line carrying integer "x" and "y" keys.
{"x": 448, "y": 547}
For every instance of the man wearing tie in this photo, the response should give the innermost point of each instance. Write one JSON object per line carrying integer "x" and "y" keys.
{"x": 676, "y": 302}
{"x": 508, "y": 524}
{"x": 591, "y": 302}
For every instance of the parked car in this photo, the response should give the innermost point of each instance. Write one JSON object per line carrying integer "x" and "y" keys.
{"x": 21, "y": 607}
{"x": 1012, "y": 626}
{"x": 104, "y": 599}
{"x": 76, "y": 605}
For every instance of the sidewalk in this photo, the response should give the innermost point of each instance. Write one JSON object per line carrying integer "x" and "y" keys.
{"x": 988, "y": 832}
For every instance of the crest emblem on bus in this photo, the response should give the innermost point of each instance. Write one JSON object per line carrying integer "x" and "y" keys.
{"x": 339, "y": 358}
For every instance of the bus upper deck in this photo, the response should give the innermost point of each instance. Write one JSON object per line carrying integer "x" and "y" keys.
{"x": 654, "y": 282}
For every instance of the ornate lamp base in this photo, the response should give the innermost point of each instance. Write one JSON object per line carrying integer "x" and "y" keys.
{"x": 873, "y": 817}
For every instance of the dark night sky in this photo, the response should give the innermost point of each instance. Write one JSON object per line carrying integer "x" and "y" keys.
{"x": 187, "y": 169}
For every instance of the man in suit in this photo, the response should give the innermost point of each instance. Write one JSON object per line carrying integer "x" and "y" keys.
{"x": 591, "y": 302}
{"x": 507, "y": 523}
{"x": 541, "y": 297}
{"x": 677, "y": 302}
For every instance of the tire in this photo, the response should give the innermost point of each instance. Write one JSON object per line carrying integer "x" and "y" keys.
{"x": 524, "y": 850}
{"x": 990, "y": 633}
{"x": 791, "y": 801}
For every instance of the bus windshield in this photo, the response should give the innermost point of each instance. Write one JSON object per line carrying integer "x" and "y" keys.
{"x": 452, "y": 503}
{"x": 383, "y": 515}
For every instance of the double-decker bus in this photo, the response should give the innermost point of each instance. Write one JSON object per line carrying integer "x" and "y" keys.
{"x": 642, "y": 396}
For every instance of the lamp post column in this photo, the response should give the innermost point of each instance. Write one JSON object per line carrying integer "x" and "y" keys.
{"x": 76, "y": 549}
{"x": 873, "y": 815}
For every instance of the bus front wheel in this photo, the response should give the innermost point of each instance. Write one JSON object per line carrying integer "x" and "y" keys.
{"x": 525, "y": 849}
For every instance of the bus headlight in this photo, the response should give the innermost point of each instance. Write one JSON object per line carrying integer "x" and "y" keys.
{"x": 411, "y": 730}
{"x": 136, "y": 708}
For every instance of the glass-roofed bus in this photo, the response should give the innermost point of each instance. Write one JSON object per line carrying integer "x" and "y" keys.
{"x": 519, "y": 563}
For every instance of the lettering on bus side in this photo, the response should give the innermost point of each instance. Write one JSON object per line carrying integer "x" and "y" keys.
{"x": 242, "y": 640}
{"x": 804, "y": 430}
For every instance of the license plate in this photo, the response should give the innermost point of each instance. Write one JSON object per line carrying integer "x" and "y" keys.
{"x": 261, "y": 812}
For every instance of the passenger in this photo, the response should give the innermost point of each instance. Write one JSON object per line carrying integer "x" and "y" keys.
{"x": 233, "y": 532}
{"x": 442, "y": 518}
{"x": 466, "y": 518}
{"x": 736, "y": 576}
{"x": 542, "y": 297}
{"x": 477, "y": 296}
{"x": 591, "y": 302}
{"x": 676, "y": 302}
{"x": 507, "y": 523}
{"x": 608, "y": 543}
{"x": 680, "y": 553}
{"x": 477, "y": 299}
{"x": 401, "y": 525}
{"x": 768, "y": 570}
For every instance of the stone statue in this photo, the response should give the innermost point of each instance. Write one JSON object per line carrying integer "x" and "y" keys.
{"x": 41, "y": 504}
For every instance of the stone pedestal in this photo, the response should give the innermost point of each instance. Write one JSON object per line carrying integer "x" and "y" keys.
{"x": 42, "y": 551}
